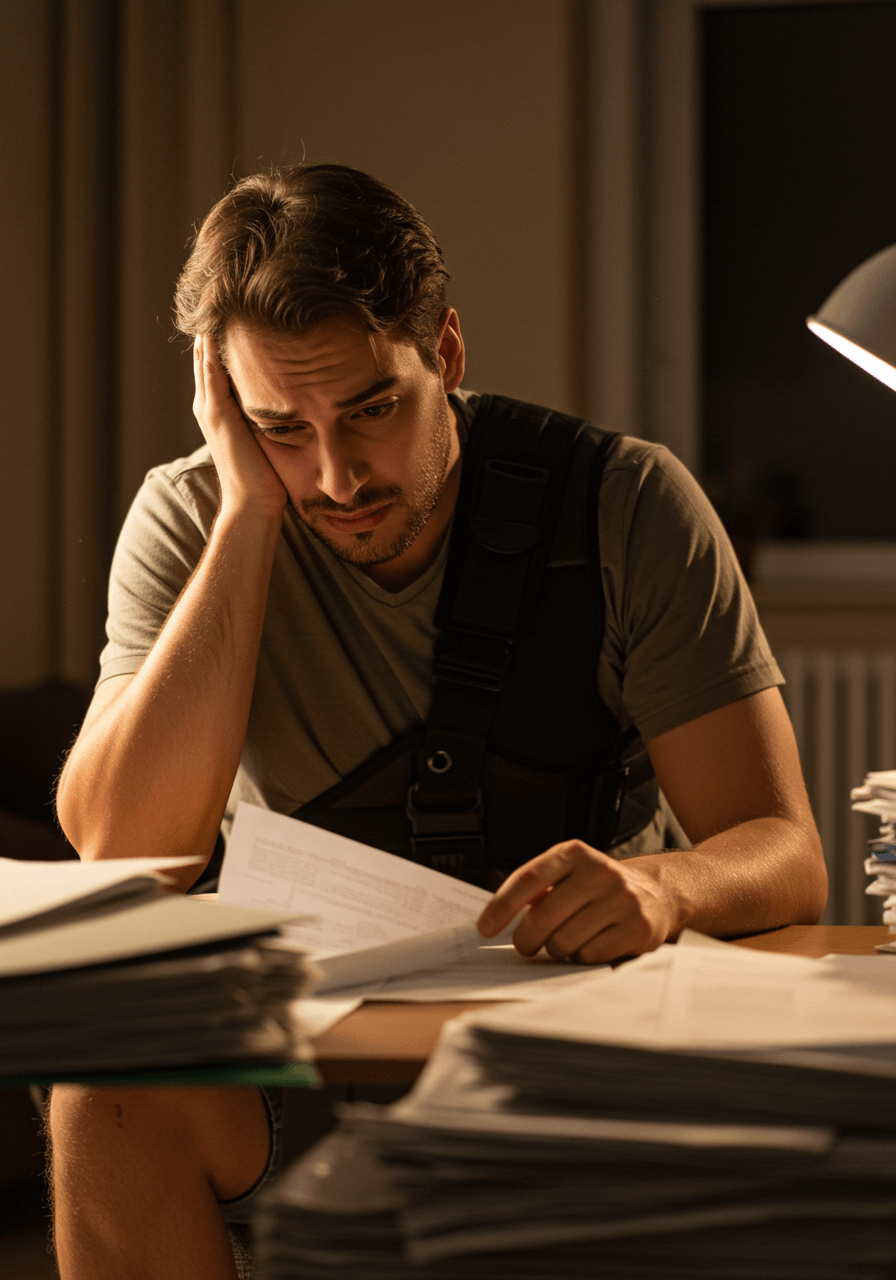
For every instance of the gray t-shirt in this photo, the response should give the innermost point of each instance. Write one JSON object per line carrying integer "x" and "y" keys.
{"x": 345, "y": 666}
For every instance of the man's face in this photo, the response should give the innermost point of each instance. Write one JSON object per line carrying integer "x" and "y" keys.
{"x": 359, "y": 431}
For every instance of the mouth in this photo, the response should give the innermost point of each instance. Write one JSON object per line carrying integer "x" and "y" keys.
{"x": 362, "y": 522}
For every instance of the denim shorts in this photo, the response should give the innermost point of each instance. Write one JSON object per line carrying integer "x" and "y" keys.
{"x": 243, "y": 1207}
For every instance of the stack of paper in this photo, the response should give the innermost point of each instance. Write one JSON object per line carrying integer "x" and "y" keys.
{"x": 703, "y": 1112}
{"x": 878, "y": 796}
{"x": 101, "y": 969}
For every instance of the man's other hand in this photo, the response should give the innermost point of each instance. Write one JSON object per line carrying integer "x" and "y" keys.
{"x": 244, "y": 473}
{"x": 733, "y": 780}
{"x": 583, "y": 906}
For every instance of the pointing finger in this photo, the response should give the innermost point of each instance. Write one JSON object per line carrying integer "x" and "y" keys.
{"x": 524, "y": 887}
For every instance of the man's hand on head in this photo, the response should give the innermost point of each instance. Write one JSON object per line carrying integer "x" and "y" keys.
{"x": 245, "y": 475}
{"x": 583, "y": 905}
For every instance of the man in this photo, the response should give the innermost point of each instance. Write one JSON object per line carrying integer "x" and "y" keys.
{"x": 272, "y": 627}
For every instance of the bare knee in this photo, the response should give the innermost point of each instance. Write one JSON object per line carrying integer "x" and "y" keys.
{"x": 219, "y": 1134}
{"x": 136, "y": 1174}
{"x": 102, "y": 1115}
{"x": 81, "y": 1119}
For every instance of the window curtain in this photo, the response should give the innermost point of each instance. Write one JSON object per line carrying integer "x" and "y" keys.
{"x": 117, "y": 135}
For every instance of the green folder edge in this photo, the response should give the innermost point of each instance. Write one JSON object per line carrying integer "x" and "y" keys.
{"x": 294, "y": 1074}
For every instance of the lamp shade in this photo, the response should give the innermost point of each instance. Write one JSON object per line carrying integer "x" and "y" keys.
{"x": 859, "y": 318}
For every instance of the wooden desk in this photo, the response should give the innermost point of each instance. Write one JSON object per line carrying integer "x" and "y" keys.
{"x": 822, "y": 940}
{"x": 384, "y": 1043}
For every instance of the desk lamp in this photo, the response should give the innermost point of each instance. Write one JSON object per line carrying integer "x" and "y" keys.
{"x": 859, "y": 318}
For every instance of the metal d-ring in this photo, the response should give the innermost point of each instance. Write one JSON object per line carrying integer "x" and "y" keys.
{"x": 439, "y": 762}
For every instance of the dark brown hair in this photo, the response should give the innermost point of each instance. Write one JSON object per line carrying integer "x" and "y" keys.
{"x": 288, "y": 249}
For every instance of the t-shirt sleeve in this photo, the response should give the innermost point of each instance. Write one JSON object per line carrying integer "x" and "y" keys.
{"x": 160, "y": 544}
{"x": 682, "y": 634}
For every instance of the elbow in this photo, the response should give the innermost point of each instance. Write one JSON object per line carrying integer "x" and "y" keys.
{"x": 812, "y": 907}
{"x": 67, "y": 811}
{"x": 83, "y": 815}
{"x": 813, "y": 878}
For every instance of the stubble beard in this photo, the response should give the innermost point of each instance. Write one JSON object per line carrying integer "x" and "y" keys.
{"x": 363, "y": 549}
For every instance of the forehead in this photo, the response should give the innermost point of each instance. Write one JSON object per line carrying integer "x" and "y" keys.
{"x": 336, "y": 358}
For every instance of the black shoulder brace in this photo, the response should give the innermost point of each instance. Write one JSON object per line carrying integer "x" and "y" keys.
{"x": 519, "y": 751}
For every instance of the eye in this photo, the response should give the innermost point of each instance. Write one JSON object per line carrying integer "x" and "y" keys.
{"x": 279, "y": 431}
{"x": 371, "y": 412}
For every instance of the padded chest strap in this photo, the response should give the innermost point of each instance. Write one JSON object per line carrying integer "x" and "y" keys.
{"x": 512, "y": 485}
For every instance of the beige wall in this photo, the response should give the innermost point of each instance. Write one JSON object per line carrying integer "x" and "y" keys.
{"x": 123, "y": 120}
{"x": 464, "y": 109}
{"x": 27, "y": 404}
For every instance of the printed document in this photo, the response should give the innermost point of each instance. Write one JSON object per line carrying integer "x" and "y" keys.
{"x": 366, "y": 914}
{"x": 371, "y": 918}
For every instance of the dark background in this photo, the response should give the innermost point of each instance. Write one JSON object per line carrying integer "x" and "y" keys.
{"x": 799, "y": 187}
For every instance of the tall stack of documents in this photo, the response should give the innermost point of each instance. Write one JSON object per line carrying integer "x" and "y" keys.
{"x": 102, "y": 969}
{"x": 878, "y": 796}
{"x": 703, "y": 1112}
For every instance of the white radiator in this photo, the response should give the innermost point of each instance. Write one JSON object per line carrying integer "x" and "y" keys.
{"x": 843, "y": 709}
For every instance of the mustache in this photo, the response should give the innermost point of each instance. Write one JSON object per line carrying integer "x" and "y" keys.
{"x": 363, "y": 499}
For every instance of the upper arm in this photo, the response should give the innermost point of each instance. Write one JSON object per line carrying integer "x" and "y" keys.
{"x": 732, "y": 765}
{"x": 162, "y": 540}
{"x": 681, "y": 633}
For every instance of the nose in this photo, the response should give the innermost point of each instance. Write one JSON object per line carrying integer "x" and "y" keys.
{"x": 340, "y": 473}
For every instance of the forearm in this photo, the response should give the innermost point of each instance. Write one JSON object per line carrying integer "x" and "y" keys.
{"x": 151, "y": 773}
{"x": 761, "y": 874}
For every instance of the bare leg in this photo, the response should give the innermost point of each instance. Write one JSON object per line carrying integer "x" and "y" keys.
{"x": 137, "y": 1173}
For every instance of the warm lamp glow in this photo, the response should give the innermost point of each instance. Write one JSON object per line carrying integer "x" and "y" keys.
{"x": 871, "y": 364}
{"x": 859, "y": 318}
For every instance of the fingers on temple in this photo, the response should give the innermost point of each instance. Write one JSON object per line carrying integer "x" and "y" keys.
{"x": 213, "y": 390}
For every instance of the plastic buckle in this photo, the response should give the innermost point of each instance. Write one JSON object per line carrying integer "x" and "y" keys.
{"x": 443, "y": 824}
{"x": 452, "y": 841}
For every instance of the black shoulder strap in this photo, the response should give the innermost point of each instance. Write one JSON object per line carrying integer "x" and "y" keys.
{"x": 512, "y": 483}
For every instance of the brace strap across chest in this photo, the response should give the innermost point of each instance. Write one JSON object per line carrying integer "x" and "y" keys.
{"x": 514, "y": 476}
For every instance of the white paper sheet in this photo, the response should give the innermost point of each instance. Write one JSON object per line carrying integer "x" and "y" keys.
{"x": 722, "y": 998}
{"x": 316, "y": 1015}
{"x": 435, "y": 953}
{"x": 32, "y": 889}
{"x": 164, "y": 924}
{"x": 360, "y": 897}
{"x": 367, "y": 915}
{"x": 484, "y": 973}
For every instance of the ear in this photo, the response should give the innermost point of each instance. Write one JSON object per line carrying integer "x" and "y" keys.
{"x": 451, "y": 350}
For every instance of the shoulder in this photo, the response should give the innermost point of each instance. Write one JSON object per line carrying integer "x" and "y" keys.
{"x": 660, "y": 537}
{"x": 682, "y": 631}
{"x": 194, "y": 473}
{"x": 633, "y": 469}
{"x": 643, "y": 462}
{"x": 170, "y": 519}
{"x": 644, "y": 484}
{"x": 186, "y": 487}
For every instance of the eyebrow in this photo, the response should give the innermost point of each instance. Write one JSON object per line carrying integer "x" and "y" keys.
{"x": 382, "y": 384}
{"x": 272, "y": 415}
{"x": 284, "y": 415}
